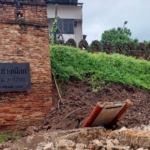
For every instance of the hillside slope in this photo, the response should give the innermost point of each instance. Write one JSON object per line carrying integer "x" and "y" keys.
{"x": 111, "y": 77}
{"x": 100, "y": 68}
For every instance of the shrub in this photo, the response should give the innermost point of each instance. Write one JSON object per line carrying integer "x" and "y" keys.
{"x": 130, "y": 49}
{"x": 83, "y": 44}
{"x": 148, "y": 51}
{"x": 59, "y": 42}
{"x": 99, "y": 68}
{"x": 141, "y": 50}
{"x": 119, "y": 48}
{"x": 71, "y": 42}
{"x": 107, "y": 47}
{"x": 95, "y": 46}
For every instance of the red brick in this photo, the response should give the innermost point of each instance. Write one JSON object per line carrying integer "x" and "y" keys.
{"x": 26, "y": 44}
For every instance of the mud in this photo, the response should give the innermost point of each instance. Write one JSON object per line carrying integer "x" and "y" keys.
{"x": 79, "y": 100}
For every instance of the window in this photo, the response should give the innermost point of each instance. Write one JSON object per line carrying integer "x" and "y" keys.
{"x": 66, "y": 26}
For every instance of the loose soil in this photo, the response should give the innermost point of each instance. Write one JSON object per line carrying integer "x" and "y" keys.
{"x": 79, "y": 100}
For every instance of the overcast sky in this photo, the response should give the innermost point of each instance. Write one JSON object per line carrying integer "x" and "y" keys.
{"x": 101, "y": 15}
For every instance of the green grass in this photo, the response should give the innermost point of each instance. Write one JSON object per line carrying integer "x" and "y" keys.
{"x": 99, "y": 68}
{"x": 3, "y": 137}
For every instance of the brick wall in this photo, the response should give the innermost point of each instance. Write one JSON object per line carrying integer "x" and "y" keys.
{"x": 25, "y": 39}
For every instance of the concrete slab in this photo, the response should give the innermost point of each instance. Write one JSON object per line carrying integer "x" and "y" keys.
{"x": 106, "y": 113}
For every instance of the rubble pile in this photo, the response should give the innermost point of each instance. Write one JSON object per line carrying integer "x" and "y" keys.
{"x": 96, "y": 138}
{"x": 62, "y": 130}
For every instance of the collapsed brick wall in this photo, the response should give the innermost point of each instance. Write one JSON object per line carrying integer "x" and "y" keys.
{"x": 25, "y": 39}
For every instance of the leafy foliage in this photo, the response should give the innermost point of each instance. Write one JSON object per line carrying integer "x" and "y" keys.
{"x": 146, "y": 42}
{"x": 83, "y": 44}
{"x": 95, "y": 46}
{"x": 117, "y": 35}
{"x": 71, "y": 42}
{"x": 59, "y": 42}
{"x": 100, "y": 68}
{"x": 3, "y": 137}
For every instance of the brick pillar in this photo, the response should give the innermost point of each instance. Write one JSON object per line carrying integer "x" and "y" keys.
{"x": 24, "y": 38}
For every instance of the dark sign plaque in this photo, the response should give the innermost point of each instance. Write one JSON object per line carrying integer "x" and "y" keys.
{"x": 14, "y": 77}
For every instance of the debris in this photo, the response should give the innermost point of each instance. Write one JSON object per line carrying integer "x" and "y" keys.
{"x": 80, "y": 145}
{"x": 76, "y": 95}
{"x": 58, "y": 91}
{"x": 49, "y": 146}
{"x": 106, "y": 113}
{"x": 87, "y": 138}
{"x": 64, "y": 144}
{"x": 97, "y": 144}
{"x": 30, "y": 130}
{"x": 69, "y": 115}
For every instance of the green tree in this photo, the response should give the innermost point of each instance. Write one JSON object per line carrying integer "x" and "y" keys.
{"x": 146, "y": 42}
{"x": 121, "y": 35}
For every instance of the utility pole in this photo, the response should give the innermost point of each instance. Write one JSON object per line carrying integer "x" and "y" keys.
{"x": 56, "y": 9}
{"x": 124, "y": 24}
{"x": 123, "y": 28}
{"x": 56, "y": 18}
{"x": 56, "y": 32}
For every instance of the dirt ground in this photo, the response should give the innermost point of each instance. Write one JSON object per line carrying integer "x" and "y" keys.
{"x": 79, "y": 101}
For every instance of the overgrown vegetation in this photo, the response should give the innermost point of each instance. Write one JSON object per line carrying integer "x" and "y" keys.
{"x": 100, "y": 68}
{"x": 4, "y": 137}
{"x": 115, "y": 35}
{"x": 53, "y": 31}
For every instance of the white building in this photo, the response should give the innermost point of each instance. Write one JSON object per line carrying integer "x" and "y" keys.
{"x": 70, "y": 18}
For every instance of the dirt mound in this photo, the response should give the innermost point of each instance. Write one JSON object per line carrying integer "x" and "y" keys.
{"x": 79, "y": 101}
